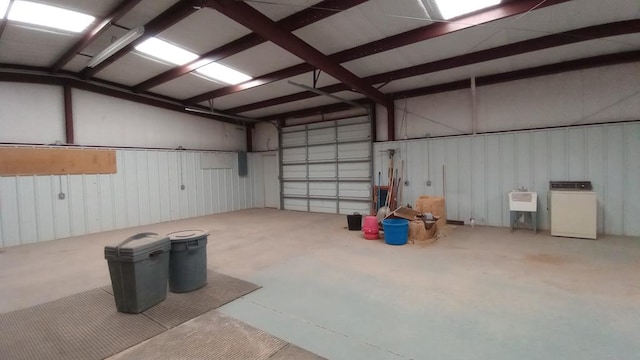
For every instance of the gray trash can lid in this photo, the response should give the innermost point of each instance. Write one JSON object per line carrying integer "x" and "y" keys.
{"x": 139, "y": 244}
{"x": 184, "y": 235}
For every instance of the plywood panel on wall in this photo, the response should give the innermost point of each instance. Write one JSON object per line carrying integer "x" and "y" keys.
{"x": 55, "y": 161}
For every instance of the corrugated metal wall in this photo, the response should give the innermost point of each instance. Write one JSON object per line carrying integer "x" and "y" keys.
{"x": 145, "y": 190}
{"x": 480, "y": 170}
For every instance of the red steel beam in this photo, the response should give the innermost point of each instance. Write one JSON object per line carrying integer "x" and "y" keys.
{"x": 168, "y": 18}
{"x": 116, "y": 14}
{"x": 249, "y": 17}
{"x": 392, "y": 42}
{"x": 68, "y": 115}
{"x": 391, "y": 122}
{"x": 293, "y": 22}
{"x": 521, "y": 47}
{"x": 248, "y": 129}
{"x": 4, "y": 20}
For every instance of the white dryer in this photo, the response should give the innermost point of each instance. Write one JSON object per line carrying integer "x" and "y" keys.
{"x": 573, "y": 209}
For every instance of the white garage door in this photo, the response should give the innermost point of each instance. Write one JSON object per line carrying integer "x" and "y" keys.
{"x": 327, "y": 167}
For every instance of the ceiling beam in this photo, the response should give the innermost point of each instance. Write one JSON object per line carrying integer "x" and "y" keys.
{"x": 5, "y": 19}
{"x": 518, "y": 48}
{"x": 323, "y": 109}
{"x": 168, "y": 18}
{"x": 293, "y": 22}
{"x": 544, "y": 70}
{"x": 265, "y": 27}
{"x": 116, "y": 14}
{"x": 423, "y": 33}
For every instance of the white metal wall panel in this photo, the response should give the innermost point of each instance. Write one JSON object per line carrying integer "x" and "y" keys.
{"x": 597, "y": 95}
{"x": 632, "y": 179}
{"x": 326, "y": 166}
{"x": 107, "y": 121}
{"x": 480, "y": 171}
{"x": 22, "y": 122}
{"x": 256, "y": 181}
{"x": 145, "y": 190}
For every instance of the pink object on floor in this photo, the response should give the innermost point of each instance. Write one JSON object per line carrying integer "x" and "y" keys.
{"x": 370, "y": 228}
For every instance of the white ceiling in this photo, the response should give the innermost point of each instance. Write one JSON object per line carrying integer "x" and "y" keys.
{"x": 372, "y": 20}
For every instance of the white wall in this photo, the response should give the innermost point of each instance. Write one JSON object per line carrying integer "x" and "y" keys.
{"x": 597, "y": 95}
{"x": 265, "y": 137}
{"x": 145, "y": 190}
{"x": 256, "y": 173}
{"x": 108, "y": 121}
{"x": 480, "y": 170}
{"x": 146, "y": 187}
{"x": 31, "y": 113}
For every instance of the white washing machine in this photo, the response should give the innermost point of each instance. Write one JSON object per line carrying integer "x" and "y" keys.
{"x": 573, "y": 209}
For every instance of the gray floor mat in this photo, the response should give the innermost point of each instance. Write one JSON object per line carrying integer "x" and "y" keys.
{"x": 220, "y": 289}
{"x": 82, "y": 326}
{"x": 87, "y": 326}
{"x": 292, "y": 352}
{"x": 213, "y": 336}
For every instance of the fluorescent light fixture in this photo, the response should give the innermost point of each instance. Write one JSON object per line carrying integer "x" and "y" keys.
{"x": 222, "y": 73}
{"x": 116, "y": 46}
{"x": 4, "y": 5}
{"x": 173, "y": 54}
{"x": 49, "y": 16}
{"x": 453, "y": 8}
{"x": 165, "y": 51}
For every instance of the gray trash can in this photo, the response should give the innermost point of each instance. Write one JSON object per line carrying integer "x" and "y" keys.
{"x": 139, "y": 267}
{"x": 188, "y": 263}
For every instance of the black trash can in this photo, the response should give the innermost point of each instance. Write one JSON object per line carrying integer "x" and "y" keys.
{"x": 188, "y": 263}
{"x": 354, "y": 222}
{"x": 139, "y": 267}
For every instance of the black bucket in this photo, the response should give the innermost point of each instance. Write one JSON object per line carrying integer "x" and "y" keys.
{"x": 354, "y": 222}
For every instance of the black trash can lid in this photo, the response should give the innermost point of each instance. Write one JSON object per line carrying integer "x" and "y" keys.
{"x": 183, "y": 235}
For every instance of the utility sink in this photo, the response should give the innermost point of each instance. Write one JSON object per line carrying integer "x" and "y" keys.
{"x": 523, "y": 201}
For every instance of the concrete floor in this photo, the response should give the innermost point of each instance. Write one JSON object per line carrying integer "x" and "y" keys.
{"x": 478, "y": 293}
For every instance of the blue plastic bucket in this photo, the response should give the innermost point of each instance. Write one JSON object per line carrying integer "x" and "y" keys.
{"x": 396, "y": 231}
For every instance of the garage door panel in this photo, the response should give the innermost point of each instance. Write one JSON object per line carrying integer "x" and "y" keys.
{"x": 294, "y": 172}
{"x": 323, "y": 206}
{"x": 293, "y": 155}
{"x": 354, "y": 170}
{"x": 350, "y": 207}
{"x": 295, "y": 204}
{"x": 295, "y": 188}
{"x": 326, "y": 167}
{"x": 322, "y": 136}
{"x": 322, "y": 171}
{"x": 322, "y": 189}
{"x": 354, "y": 151}
{"x": 322, "y": 153}
{"x": 354, "y": 132}
{"x": 355, "y": 190}
{"x": 294, "y": 139}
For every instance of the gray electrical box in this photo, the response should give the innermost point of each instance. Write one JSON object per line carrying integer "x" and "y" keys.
{"x": 242, "y": 163}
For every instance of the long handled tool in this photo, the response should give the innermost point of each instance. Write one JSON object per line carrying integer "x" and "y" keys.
{"x": 378, "y": 201}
